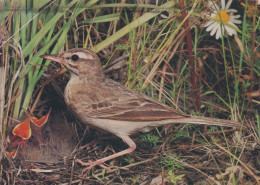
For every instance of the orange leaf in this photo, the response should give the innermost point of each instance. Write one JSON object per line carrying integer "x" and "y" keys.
{"x": 10, "y": 154}
{"x": 23, "y": 129}
{"x": 40, "y": 122}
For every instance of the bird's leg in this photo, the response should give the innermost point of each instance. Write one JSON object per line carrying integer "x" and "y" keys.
{"x": 131, "y": 148}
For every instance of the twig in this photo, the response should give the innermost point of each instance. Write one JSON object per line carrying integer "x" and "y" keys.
{"x": 243, "y": 164}
{"x": 252, "y": 60}
{"x": 128, "y": 166}
{"x": 59, "y": 72}
{"x": 191, "y": 61}
{"x": 189, "y": 166}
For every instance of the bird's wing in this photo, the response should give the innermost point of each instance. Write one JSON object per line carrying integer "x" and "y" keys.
{"x": 133, "y": 110}
{"x": 132, "y": 106}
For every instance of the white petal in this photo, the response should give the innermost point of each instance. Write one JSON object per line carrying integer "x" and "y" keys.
{"x": 235, "y": 16}
{"x": 229, "y": 31}
{"x": 223, "y": 4}
{"x": 232, "y": 24}
{"x": 210, "y": 4}
{"x": 235, "y": 21}
{"x": 232, "y": 11}
{"x": 213, "y": 15}
{"x": 213, "y": 31}
{"x": 228, "y": 4}
{"x": 232, "y": 32}
{"x": 218, "y": 34}
{"x": 212, "y": 26}
{"x": 208, "y": 23}
{"x": 214, "y": 7}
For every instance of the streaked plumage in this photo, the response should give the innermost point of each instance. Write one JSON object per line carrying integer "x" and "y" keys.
{"x": 107, "y": 105}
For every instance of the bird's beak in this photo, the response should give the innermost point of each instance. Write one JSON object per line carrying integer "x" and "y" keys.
{"x": 54, "y": 58}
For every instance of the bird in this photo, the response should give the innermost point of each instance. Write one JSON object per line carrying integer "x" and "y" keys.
{"x": 105, "y": 104}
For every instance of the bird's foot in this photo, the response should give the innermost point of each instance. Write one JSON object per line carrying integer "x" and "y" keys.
{"x": 92, "y": 164}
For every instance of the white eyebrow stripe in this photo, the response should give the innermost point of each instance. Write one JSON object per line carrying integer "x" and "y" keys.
{"x": 84, "y": 55}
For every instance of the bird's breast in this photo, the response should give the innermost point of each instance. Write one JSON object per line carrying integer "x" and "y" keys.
{"x": 74, "y": 93}
{"x": 80, "y": 96}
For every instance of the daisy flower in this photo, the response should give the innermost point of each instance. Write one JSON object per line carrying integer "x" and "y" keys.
{"x": 222, "y": 15}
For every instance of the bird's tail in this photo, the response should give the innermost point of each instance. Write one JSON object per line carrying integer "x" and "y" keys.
{"x": 208, "y": 121}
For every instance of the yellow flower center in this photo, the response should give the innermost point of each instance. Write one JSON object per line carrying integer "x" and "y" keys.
{"x": 223, "y": 15}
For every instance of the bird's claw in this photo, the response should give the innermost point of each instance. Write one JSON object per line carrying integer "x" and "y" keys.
{"x": 90, "y": 164}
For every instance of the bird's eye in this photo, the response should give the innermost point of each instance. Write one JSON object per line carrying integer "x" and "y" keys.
{"x": 74, "y": 57}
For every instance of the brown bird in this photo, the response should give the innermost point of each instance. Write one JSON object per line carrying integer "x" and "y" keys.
{"x": 107, "y": 105}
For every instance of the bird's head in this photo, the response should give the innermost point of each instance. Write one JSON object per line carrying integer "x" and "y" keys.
{"x": 79, "y": 62}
